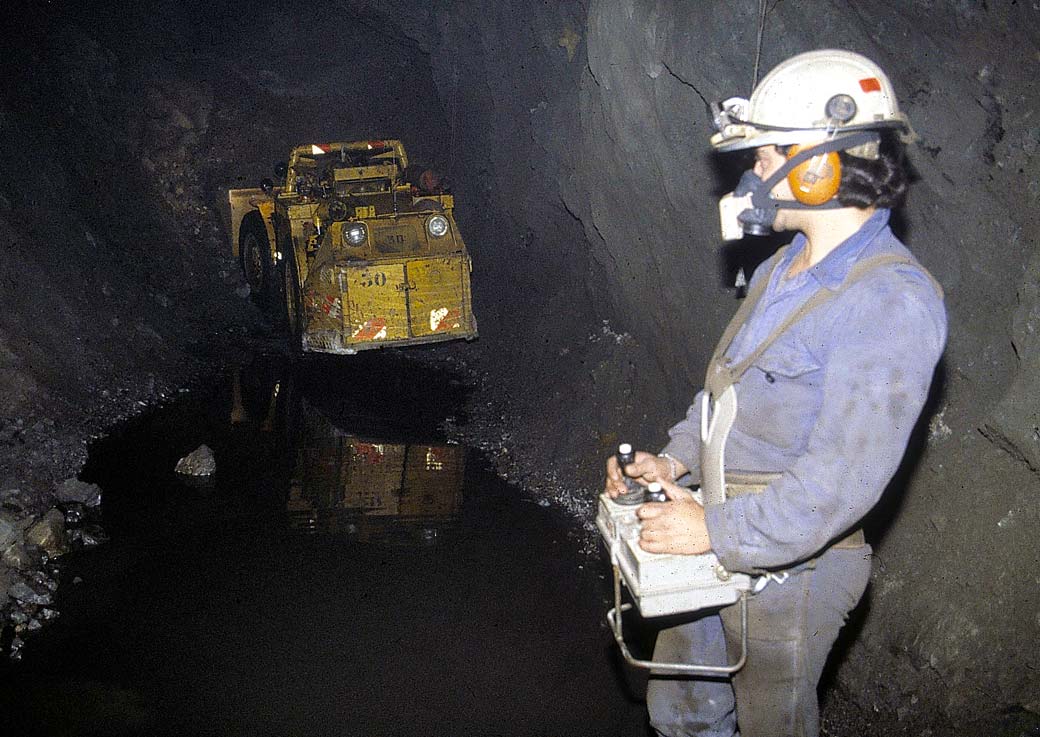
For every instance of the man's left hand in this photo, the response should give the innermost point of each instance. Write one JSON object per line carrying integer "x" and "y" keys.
{"x": 674, "y": 526}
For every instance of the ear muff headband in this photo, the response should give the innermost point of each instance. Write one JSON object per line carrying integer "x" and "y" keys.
{"x": 816, "y": 180}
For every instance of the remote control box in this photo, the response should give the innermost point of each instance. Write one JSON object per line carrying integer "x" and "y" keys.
{"x": 663, "y": 584}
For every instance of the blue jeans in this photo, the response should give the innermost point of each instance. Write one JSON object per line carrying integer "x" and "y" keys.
{"x": 791, "y": 628}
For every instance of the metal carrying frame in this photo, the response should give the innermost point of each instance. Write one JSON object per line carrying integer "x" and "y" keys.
{"x": 691, "y": 669}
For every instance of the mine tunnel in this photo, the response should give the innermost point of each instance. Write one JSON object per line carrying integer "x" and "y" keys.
{"x": 570, "y": 142}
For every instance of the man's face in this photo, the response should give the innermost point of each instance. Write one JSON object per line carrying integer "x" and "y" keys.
{"x": 767, "y": 160}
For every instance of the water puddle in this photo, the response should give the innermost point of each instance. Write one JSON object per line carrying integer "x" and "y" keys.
{"x": 347, "y": 570}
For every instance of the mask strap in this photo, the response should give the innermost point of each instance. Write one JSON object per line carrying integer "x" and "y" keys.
{"x": 761, "y": 198}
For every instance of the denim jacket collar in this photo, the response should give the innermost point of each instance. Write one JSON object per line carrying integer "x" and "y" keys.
{"x": 835, "y": 266}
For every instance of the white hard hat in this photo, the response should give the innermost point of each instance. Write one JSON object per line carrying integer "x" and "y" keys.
{"x": 810, "y": 97}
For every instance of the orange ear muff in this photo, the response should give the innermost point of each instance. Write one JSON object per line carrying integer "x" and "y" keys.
{"x": 816, "y": 180}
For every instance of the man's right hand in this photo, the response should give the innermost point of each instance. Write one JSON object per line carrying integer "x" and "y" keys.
{"x": 646, "y": 468}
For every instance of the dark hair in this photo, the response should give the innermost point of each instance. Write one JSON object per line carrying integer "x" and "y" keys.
{"x": 880, "y": 182}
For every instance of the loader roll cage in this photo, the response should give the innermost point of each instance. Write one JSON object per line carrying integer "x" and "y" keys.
{"x": 364, "y": 167}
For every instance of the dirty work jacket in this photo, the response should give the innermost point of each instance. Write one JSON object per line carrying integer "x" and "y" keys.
{"x": 830, "y": 405}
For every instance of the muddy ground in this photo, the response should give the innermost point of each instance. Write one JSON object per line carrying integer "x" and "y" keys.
{"x": 574, "y": 138}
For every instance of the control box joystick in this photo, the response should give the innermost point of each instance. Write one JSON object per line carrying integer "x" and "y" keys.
{"x": 635, "y": 493}
{"x": 654, "y": 492}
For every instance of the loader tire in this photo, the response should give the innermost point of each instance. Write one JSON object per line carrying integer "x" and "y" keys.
{"x": 255, "y": 251}
{"x": 293, "y": 305}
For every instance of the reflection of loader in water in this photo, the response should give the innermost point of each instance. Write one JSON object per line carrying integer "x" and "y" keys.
{"x": 373, "y": 491}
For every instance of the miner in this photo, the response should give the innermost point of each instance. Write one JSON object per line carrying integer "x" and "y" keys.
{"x": 828, "y": 364}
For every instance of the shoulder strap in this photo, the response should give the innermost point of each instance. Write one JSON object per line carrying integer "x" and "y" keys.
{"x": 746, "y": 308}
{"x": 721, "y": 376}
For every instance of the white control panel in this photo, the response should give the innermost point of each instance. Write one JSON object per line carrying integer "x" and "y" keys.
{"x": 664, "y": 583}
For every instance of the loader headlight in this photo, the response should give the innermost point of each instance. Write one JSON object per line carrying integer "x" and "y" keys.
{"x": 355, "y": 234}
{"x": 437, "y": 226}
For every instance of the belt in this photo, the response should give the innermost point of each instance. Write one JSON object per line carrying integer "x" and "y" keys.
{"x": 853, "y": 540}
{"x": 747, "y": 484}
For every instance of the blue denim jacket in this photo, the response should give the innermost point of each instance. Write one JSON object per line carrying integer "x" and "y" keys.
{"x": 830, "y": 405}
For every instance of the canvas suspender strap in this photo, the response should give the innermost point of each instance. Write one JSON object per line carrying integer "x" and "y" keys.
{"x": 722, "y": 375}
{"x": 738, "y": 320}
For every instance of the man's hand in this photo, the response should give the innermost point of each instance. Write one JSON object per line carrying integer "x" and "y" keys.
{"x": 674, "y": 526}
{"x": 647, "y": 468}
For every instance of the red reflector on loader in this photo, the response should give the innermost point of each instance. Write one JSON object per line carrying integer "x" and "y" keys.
{"x": 369, "y": 452}
{"x": 374, "y": 329}
{"x": 445, "y": 319}
{"x": 870, "y": 84}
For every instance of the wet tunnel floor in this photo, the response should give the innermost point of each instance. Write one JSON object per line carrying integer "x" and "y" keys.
{"x": 349, "y": 572}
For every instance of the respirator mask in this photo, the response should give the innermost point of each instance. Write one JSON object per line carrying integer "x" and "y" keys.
{"x": 814, "y": 174}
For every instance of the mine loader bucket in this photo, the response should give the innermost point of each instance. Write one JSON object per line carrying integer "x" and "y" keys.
{"x": 437, "y": 295}
{"x": 377, "y": 304}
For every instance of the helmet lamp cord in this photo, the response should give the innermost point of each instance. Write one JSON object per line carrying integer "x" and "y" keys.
{"x": 758, "y": 44}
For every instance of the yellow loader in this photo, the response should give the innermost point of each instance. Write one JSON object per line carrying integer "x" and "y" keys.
{"x": 354, "y": 251}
